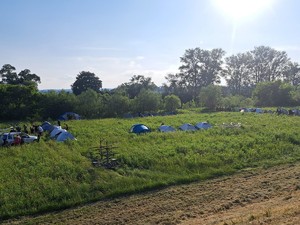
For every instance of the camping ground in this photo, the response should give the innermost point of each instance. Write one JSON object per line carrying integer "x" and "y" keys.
{"x": 49, "y": 176}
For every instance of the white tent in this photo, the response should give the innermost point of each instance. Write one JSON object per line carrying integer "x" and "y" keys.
{"x": 203, "y": 125}
{"x": 165, "y": 128}
{"x": 65, "y": 135}
{"x": 187, "y": 126}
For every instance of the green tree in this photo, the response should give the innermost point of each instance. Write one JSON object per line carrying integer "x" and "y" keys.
{"x": 238, "y": 73}
{"x": 275, "y": 93}
{"x": 118, "y": 105}
{"x": 210, "y": 97}
{"x": 8, "y": 74}
{"x": 200, "y": 68}
{"x": 147, "y": 101}
{"x": 268, "y": 64}
{"x": 89, "y": 104}
{"x": 292, "y": 73}
{"x": 172, "y": 103}
{"x": 25, "y": 77}
{"x": 84, "y": 81}
{"x": 136, "y": 85}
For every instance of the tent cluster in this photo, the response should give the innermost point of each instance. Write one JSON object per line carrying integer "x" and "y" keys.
{"x": 141, "y": 128}
{"x": 57, "y": 132}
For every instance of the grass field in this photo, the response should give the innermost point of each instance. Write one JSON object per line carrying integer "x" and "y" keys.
{"x": 48, "y": 175}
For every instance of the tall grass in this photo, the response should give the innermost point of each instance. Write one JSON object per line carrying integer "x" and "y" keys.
{"x": 48, "y": 175}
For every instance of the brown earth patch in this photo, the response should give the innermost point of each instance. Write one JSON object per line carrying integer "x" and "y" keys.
{"x": 258, "y": 196}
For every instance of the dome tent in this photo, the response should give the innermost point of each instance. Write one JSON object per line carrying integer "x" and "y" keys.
{"x": 187, "y": 127}
{"x": 165, "y": 128}
{"x": 65, "y": 135}
{"x": 203, "y": 125}
{"x": 139, "y": 129}
{"x": 47, "y": 126}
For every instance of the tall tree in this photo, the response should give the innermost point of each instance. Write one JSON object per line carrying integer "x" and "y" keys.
{"x": 200, "y": 68}
{"x": 136, "y": 85}
{"x": 268, "y": 64}
{"x": 25, "y": 77}
{"x": 84, "y": 81}
{"x": 8, "y": 74}
{"x": 292, "y": 74}
{"x": 237, "y": 73}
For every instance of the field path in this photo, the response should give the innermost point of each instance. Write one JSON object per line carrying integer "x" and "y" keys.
{"x": 260, "y": 196}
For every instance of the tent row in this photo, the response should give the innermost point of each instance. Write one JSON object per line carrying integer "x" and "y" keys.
{"x": 141, "y": 128}
{"x": 57, "y": 132}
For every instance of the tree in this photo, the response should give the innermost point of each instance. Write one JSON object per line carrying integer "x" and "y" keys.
{"x": 268, "y": 64}
{"x": 172, "y": 102}
{"x": 84, "y": 81}
{"x": 273, "y": 94}
{"x": 25, "y": 77}
{"x": 8, "y": 74}
{"x": 89, "y": 104}
{"x": 147, "y": 101}
{"x": 210, "y": 96}
{"x": 292, "y": 74}
{"x": 118, "y": 105}
{"x": 238, "y": 73}
{"x": 136, "y": 85}
{"x": 200, "y": 68}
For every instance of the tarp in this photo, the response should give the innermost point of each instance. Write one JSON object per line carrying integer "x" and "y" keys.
{"x": 187, "y": 126}
{"x": 139, "y": 128}
{"x": 69, "y": 116}
{"x": 203, "y": 125}
{"x": 65, "y": 135}
{"x": 165, "y": 128}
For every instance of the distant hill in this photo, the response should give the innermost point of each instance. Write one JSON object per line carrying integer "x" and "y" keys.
{"x": 56, "y": 90}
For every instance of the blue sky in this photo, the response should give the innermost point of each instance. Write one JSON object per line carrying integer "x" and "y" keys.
{"x": 116, "y": 39}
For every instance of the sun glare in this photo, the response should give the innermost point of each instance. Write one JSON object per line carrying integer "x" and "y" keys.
{"x": 242, "y": 9}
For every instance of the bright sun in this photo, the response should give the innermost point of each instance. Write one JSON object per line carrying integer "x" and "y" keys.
{"x": 241, "y": 9}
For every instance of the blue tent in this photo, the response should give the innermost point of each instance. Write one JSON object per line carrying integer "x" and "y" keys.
{"x": 139, "y": 129}
{"x": 69, "y": 116}
{"x": 203, "y": 125}
{"x": 165, "y": 128}
{"x": 47, "y": 126}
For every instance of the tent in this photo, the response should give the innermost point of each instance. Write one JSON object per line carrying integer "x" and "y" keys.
{"x": 165, "y": 128}
{"x": 258, "y": 110}
{"x": 55, "y": 131}
{"x": 187, "y": 126}
{"x": 203, "y": 125}
{"x": 69, "y": 116}
{"x": 139, "y": 129}
{"x": 64, "y": 135}
{"x": 47, "y": 126}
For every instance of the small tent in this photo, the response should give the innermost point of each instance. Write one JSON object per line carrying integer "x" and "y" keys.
{"x": 165, "y": 128}
{"x": 55, "y": 131}
{"x": 139, "y": 129}
{"x": 203, "y": 125}
{"x": 187, "y": 127}
{"x": 47, "y": 126}
{"x": 64, "y": 135}
{"x": 69, "y": 116}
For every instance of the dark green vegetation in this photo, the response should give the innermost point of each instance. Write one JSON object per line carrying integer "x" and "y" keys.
{"x": 263, "y": 77}
{"x": 48, "y": 176}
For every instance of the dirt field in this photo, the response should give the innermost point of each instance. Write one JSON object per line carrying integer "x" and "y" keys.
{"x": 257, "y": 196}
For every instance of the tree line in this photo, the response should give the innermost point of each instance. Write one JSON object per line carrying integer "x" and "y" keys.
{"x": 261, "y": 77}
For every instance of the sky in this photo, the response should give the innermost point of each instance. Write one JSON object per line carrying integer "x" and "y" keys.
{"x": 116, "y": 39}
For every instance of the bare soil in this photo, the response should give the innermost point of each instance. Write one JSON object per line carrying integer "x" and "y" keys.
{"x": 254, "y": 196}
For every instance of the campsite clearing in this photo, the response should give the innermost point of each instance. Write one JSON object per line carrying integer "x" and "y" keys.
{"x": 253, "y": 196}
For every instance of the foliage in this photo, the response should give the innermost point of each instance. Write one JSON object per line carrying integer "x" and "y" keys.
{"x": 147, "y": 101}
{"x": 273, "y": 94}
{"x": 210, "y": 97}
{"x": 136, "y": 85}
{"x": 84, "y": 81}
{"x": 172, "y": 103}
{"x": 25, "y": 77}
{"x": 48, "y": 176}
